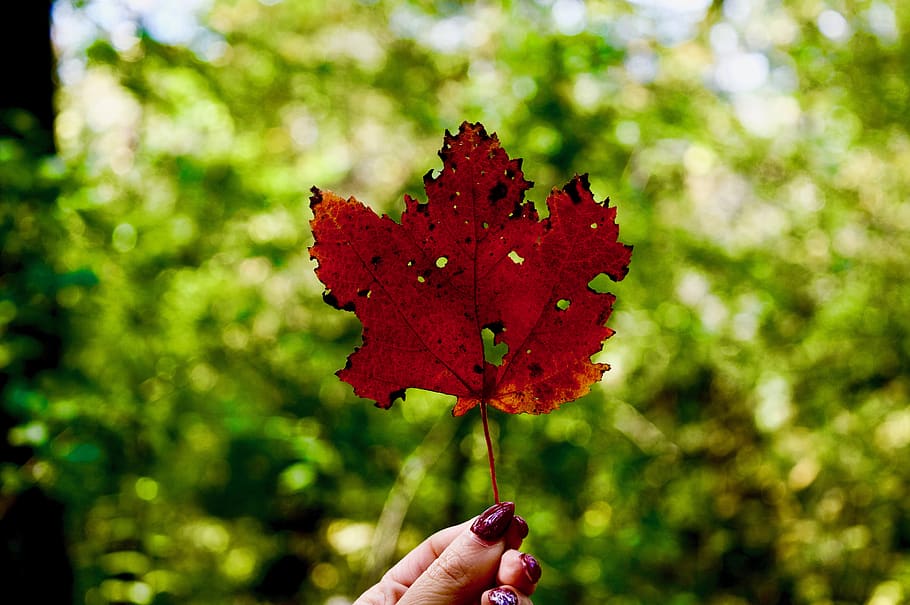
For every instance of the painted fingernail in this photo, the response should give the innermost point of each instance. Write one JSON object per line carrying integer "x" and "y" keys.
{"x": 503, "y": 596}
{"x": 532, "y": 567}
{"x": 493, "y": 523}
{"x": 522, "y": 526}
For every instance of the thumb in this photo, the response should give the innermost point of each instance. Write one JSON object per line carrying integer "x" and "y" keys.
{"x": 467, "y": 567}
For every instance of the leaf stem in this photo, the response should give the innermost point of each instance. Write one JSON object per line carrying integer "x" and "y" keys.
{"x": 486, "y": 435}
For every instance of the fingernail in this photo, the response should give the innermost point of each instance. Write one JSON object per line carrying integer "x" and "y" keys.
{"x": 532, "y": 567}
{"x": 503, "y": 596}
{"x": 493, "y": 523}
{"x": 522, "y": 526}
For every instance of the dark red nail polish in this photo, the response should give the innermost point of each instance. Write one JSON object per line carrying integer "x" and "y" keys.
{"x": 532, "y": 567}
{"x": 503, "y": 596}
{"x": 493, "y": 523}
{"x": 522, "y": 526}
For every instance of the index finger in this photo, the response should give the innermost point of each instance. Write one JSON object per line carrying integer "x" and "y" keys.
{"x": 406, "y": 571}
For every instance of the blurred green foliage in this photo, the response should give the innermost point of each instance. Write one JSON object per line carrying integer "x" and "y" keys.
{"x": 746, "y": 446}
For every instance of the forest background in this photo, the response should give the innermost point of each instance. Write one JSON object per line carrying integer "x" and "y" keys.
{"x": 172, "y": 428}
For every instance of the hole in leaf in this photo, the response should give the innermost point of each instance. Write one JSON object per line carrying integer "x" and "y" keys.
{"x": 421, "y": 279}
{"x": 442, "y": 261}
{"x": 486, "y": 225}
{"x": 516, "y": 258}
{"x": 593, "y": 225}
{"x": 496, "y": 327}
{"x": 410, "y": 263}
{"x": 600, "y": 283}
{"x": 492, "y": 353}
{"x": 563, "y": 303}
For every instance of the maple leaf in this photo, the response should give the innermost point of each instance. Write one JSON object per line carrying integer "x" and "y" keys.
{"x": 474, "y": 258}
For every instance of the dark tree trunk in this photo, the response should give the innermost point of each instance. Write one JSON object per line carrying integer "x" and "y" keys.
{"x": 34, "y": 564}
{"x": 27, "y": 73}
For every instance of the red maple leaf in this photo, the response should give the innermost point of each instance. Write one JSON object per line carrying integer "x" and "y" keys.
{"x": 476, "y": 256}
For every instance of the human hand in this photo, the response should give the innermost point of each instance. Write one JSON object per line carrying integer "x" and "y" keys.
{"x": 474, "y": 563}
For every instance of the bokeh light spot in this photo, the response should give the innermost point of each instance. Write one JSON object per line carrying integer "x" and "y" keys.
{"x": 834, "y": 25}
{"x": 146, "y": 488}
